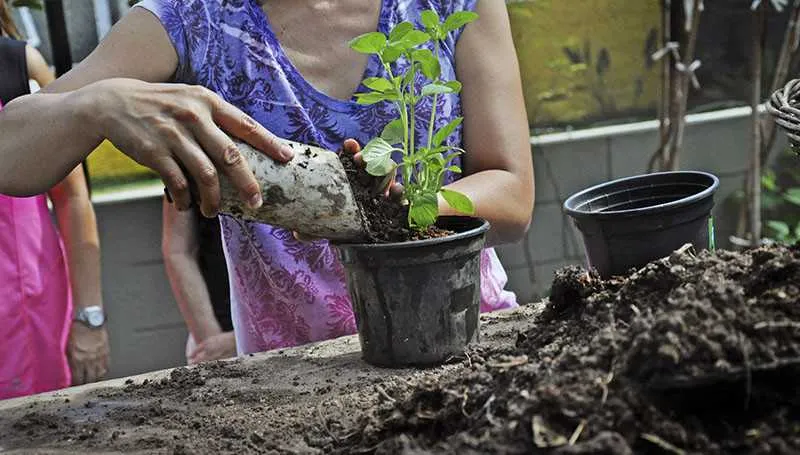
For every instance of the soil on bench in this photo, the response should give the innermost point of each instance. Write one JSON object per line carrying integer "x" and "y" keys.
{"x": 691, "y": 354}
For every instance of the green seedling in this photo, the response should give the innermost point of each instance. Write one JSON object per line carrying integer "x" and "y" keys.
{"x": 422, "y": 168}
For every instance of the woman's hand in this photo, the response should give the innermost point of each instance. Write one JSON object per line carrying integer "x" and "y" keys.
{"x": 216, "y": 347}
{"x": 180, "y": 132}
{"x": 87, "y": 353}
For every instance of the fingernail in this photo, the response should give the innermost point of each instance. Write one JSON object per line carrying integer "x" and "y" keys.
{"x": 256, "y": 201}
{"x": 287, "y": 153}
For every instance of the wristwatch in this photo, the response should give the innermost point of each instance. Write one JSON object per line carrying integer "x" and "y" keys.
{"x": 92, "y": 316}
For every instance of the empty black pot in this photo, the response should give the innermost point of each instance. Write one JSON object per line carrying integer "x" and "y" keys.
{"x": 417, "y": 303}
{"x": 629, "y": 222}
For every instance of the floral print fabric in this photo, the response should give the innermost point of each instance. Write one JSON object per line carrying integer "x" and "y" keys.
{"x": 285, "y": 292}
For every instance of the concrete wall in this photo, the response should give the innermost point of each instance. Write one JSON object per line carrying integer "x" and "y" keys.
{"x": 146, "y": 328}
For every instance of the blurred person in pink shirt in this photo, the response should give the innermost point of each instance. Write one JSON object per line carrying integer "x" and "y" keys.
{"x": 52, "y": 326}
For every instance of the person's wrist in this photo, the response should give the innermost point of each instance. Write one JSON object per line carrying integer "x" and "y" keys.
{"x": 93, "y": 316}
{"x": 89, "y": 107}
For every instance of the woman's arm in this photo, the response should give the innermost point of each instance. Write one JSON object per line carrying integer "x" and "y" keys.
{"x": 179, "y": 245}
{"x": 498, "y": 166}
{"x": 37, "y": 67}
{"x": 113, "y": 94}
{"x": 87, "y": 350}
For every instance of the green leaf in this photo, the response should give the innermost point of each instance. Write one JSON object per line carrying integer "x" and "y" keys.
{"x": 400, "y": 31}
{"x": 408, "y": 78}
{"x": 412, "y": 39}
{"x": 393, "y": 132}
{"x": 377, "y": 155}
{"x": 369, "y": 43}
{"x": 430, "y": 19}
{"x": 458, "y": 20}
{"x": 382, "y": 167}
{"x": 391, "y": 53}
{"x": 378, "y": 84}
{"x": 373, "y": 97}
{"x": 780, "y": 228}
{"x": 454, "y": 169}
{"x": 429, "y": 64}
{"x": 451, "y": 157}
{"x": 768, "y": 181}
{"x": 375, "y": 149}
{"x": 436, "y": 89}
{"x": 446, "y": 131}
{"x": 792, "y": 196}
{"x": 455, "y": 86}
{"x": 423, "y": 210}
{"x": 797, "y": 232}
{"x": 458, "y": 201}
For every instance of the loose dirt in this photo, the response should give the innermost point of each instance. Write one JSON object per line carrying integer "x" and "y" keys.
{"x": 691, "y": 354}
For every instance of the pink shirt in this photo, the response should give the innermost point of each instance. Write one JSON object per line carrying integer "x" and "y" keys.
{"x": 35, "y": 300}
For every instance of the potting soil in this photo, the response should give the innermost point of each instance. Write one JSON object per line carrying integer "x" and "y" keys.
{"x": 691, "y": 354}
{"x": 386, "y": 219}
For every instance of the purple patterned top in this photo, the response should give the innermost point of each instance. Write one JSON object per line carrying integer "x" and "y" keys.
{"x": 285, "y": 292}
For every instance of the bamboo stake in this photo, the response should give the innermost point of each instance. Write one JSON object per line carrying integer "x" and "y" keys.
{"x": 759, "y": 18}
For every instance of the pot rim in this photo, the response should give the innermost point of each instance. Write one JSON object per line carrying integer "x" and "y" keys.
{"x": 683, "y": 202}
{"x": 474, "y": 232}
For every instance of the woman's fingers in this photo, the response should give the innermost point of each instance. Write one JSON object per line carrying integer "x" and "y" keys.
{"x": 220, "y": 155}
{"x": 242, "y": 126}
{"x": 203, "y": 171}
{"x": 176, "y": 182}
{"x": 351, "y": 146}
{"x": 396, "y": 191}
{"x": 230, "y": 162}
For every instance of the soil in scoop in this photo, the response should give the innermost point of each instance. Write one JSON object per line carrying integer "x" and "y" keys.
{"x": 691, "y": 354}
{"x": 386, "y": 220}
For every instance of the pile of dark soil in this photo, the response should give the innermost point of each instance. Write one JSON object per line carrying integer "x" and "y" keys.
{"x": 691, "y": 354}
{"x": 386, "y": 220}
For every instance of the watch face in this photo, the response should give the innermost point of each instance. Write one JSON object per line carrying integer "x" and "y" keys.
{"x": 95, "y": 318}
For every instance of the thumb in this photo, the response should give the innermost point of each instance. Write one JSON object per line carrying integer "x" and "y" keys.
{"x": 198, "y": 354}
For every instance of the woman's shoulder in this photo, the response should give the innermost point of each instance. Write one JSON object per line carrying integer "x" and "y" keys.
{"x": 197, "y": 15}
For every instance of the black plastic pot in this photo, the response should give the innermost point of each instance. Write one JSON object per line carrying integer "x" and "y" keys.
{"x": 417, "y": 303}
{"x": 629, "y": 222}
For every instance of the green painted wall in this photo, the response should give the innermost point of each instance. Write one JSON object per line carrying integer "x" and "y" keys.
{"x": 586, "y": 60}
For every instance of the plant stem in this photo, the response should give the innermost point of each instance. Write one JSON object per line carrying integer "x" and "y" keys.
{"x": 433, "y": 106}
{"x": 401, "y": 106}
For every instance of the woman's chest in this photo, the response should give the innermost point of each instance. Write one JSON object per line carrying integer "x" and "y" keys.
{"x": 315, "y": 34}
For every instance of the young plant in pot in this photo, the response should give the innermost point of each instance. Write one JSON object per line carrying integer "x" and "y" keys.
{"x": 415, "y": 287}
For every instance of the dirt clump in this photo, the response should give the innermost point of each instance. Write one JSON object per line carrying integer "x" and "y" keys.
{"x": 385, "y": 219}
{"x": 690, "y": 354}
